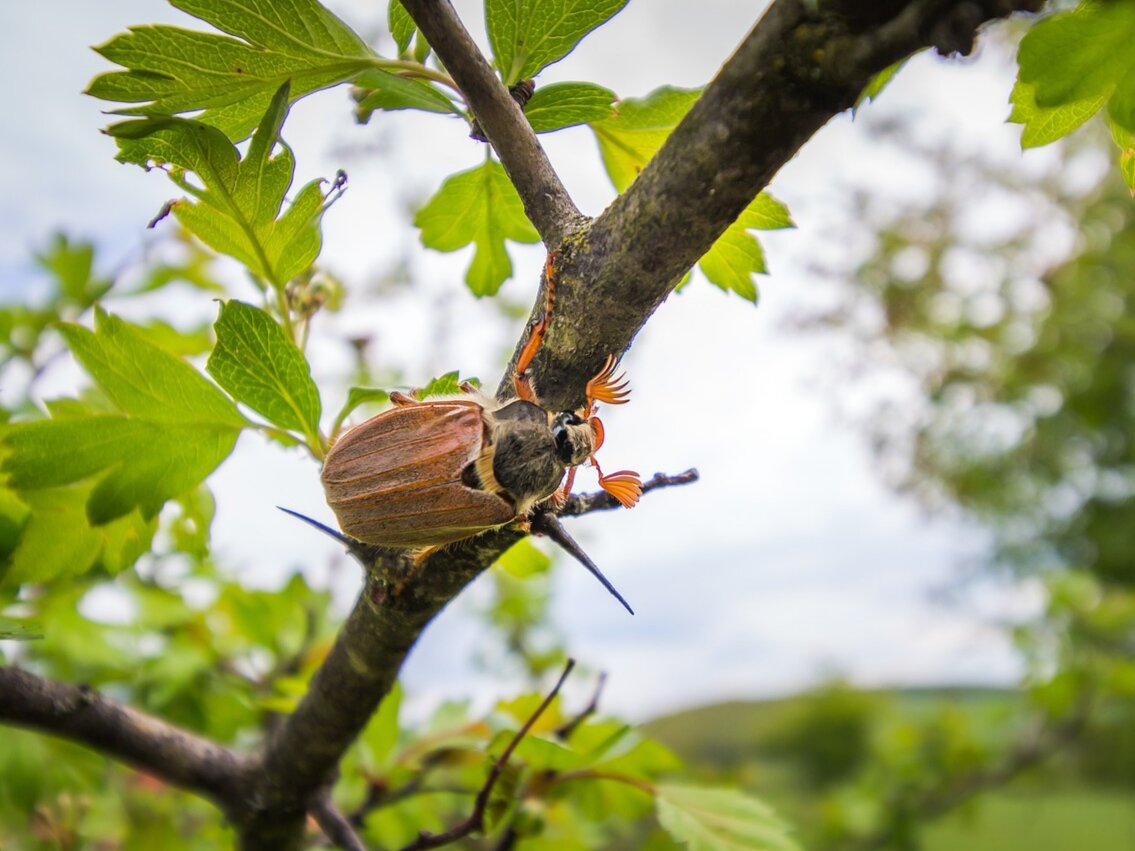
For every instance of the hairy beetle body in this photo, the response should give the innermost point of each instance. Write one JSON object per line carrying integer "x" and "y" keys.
{"x": 437, "y": 471}
{"x": 428, "y": 473}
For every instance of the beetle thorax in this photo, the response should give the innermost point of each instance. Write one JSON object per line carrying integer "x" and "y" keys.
{"x": 575, "y": 439}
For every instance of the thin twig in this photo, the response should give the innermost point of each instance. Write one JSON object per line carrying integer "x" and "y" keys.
{"x": 476, "y": 819}
{"x": 602, "y": 501}
{"x": 546, "y": 201}
{"x": 83, "y": 715}
{"x": 565, "y": 730}
{"x": 335, "y": 825}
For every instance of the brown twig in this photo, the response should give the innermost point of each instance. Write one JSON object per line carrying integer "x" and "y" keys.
{"x": 565, "y": 730}
{"x": 602, "y": 501}
{"x": 546, "y": 201}
{"x": 83, "y": 715}
{"x": 335, "y": 826}
{"x": 475, "y": 822}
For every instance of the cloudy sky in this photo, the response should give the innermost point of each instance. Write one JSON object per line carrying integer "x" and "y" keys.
{"x": 788, "y": 562}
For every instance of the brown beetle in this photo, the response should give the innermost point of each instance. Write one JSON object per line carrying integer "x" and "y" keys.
{"x": 428, "y": 473}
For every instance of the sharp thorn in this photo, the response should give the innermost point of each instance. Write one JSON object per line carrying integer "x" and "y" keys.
{"x": 326, "y": 530}
{"x": 548, "y": 524}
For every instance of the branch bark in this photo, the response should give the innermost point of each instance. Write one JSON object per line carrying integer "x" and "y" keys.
{"x": 802, "y": 64}
{"x": 546, "y": 201}
{"x": 149, "y": 744}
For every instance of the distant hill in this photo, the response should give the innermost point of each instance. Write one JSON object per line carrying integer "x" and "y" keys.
{"x": 793, "y": 751}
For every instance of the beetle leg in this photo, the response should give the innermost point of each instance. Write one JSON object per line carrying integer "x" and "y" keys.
{"x": 417, "y": 562}
{"x": 608, "y": 387}
{"x": 520, "y": 380}
{"x": 625, "y": 485}
{"x": 560, "y": 494}
{"x": 401, "y": 399}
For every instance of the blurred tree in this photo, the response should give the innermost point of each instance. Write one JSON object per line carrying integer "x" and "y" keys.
{"x": 1018, "y": 408}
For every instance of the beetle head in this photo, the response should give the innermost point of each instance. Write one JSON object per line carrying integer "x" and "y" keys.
{"x": 575, "y": 439}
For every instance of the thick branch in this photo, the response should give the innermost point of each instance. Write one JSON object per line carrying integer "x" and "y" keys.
{"x": 803, "y": 63}
{"x": 147, "y": 743}
{"x": 302, "y": 756}
{"x": 546, "y": 201}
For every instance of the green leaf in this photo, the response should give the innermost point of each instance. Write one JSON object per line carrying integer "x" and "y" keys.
{"x": 527, "y": 35}
{"x": 717, "y": 819}
{"x": 567, "y": 104}
{"x": 71, "y": 264}
{"x": 402, "y": 26}
{"x": 524, "y": 559}
{"x": 172, "y": 70}
{"x": 59, "y": 540}
{"x": 1043, "y": 125}
{"x": 239, "y": 203}
{"x": 12, "y": 629}
{"x": 172, "y": 428}
{"x": 357, "y": 396}
{"x": 259, "y": 366}
{"x": 381, "y": 733}
{"x": 144, "y": 381}
{"x": 187, "y": 343}
{"x": 383, "y": 90}
{"x": 630, "y": 137}
{"x": 448, "y": 384}
{"x": 737, "y": 256}
{"x": 502, "y": 796}
{"x": 478, "y": 207}
{"x": 1071, "y": 64}
{"x": 877, "y": 83}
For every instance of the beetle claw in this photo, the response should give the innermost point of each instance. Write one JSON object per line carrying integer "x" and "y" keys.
{"x": 608, "y": 387}
{"x": 625, "y": 486}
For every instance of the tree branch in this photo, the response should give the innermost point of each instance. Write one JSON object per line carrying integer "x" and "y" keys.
{"x": 546, "y": 201}
{"x": 147, "y": 743}
{"x": 803, "y": 63}
{"x": 335, "y": 826}
{"x": 476, "y": 819}
{"x": 584, "y": 503}
{"x": 361, "y": 668}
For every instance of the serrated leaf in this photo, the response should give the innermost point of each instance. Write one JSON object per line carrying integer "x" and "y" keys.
{"x": 718, "y": 819}
{"x": 478, "y": 207}
{"x": 144, "y": 381}
{"x": 528, "y": 35}
{"x": 383, "y": 90}
{"x": 239, "y": 202}
{"x": 171, "y": 429}
{"x": 184, "y": 343}
{"x": 448, "y": 384}
{"x": 59, "y": 540}
{"x": 630, "y": 137}
{"x": 357, "y": 396}
{"x": 401, "y": 25}
{"x": 737, "y": 256}
{"x": 1043, "y": 125}
{"x": 233, "y": 79}
{"x": 877, "y": 83}
{"x": 259, "y": 366}
{"x": 1070, "y": 65}
{"x": 567, "y": 104}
